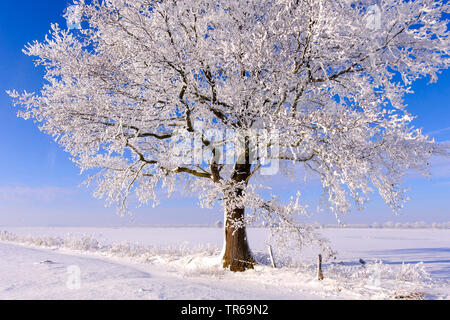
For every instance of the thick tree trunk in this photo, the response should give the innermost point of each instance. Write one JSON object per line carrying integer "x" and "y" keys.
{"x": 237, "y": 255}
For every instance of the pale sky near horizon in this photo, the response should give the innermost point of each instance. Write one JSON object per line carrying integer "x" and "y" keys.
{"x": 39, "y": 184}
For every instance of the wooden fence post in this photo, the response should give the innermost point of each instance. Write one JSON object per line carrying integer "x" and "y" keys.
{"x": 271, "y": 256}
{"x": 319, "y": 268}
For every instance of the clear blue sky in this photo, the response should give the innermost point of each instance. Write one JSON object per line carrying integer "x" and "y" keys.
{"x": 39, "y": 184}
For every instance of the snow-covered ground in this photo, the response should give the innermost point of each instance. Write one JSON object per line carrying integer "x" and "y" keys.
{"x": 181, "y": 263}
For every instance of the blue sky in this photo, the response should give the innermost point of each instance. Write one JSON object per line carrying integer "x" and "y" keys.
{"x": 39, "y": 184}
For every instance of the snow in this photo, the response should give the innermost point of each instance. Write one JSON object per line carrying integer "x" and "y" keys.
{"x": 181, "y": 263}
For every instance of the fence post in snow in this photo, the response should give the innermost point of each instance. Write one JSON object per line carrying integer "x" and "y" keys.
{"x": 319, "y": 268}
{"x": 271, "y": 256}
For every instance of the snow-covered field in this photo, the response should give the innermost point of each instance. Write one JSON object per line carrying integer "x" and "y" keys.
{"x": 181, "y": 263}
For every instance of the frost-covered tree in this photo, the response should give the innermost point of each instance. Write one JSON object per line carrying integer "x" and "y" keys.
{"x": 326, "y": 78}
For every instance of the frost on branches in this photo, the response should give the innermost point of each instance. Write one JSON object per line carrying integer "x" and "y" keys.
{"x": 328, "y": 77}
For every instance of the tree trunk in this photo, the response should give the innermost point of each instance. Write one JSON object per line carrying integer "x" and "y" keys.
{"x": 237, "y": 255}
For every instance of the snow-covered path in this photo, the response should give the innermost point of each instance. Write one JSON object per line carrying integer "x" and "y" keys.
{"x": 26, "y": 275}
